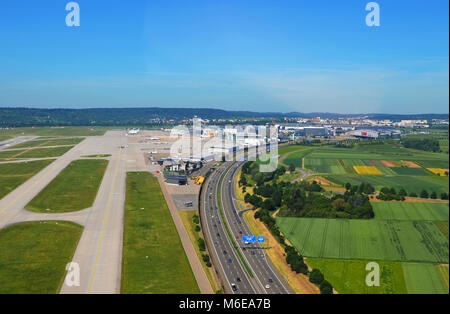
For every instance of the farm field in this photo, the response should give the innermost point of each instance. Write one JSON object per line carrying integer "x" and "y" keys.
{"x": 419, "y": 241}
{"x": 348, "y": 276}
{"x": 410, "y": 211}
{"x": 422, "y": 278}
{"x": 34, "y": 255}
{"x": 13, "y": 175}
{"x": 74, "y": 189}
{"x": 154, "y": 261}
{"x": 409, "y": 183}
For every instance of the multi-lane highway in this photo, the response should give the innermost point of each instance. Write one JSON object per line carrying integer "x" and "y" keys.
{"x": 264, "y": 278}
{"x": 225, "y": 257}
{"x": 265, "y": 274}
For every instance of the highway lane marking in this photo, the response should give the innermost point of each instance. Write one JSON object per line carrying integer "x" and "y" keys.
{"x": 106, "y": 218}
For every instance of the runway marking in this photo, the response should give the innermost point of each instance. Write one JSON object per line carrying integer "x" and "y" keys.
{"x": 106, "y": 218}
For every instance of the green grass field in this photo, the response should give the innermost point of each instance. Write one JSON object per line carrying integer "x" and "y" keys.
{"x": 56, "y": 131}
{"x": 154, "y": 261}
{"x": 14, "y": 174}
{"x": 6, "y": 154}
{"x": 349, "y": 276}
{"x": 417, "y": 241}
{"x": 74, "y": 189}
{"x": 34, "y": 255}
{"x": 45, "y": 152}
{"x": 411, "y": 211}
{"x": 49, "y": 142}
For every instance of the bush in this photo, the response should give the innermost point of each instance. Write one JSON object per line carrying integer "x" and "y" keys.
{"x": 197, "y": 228}
{"x": 326, "y": 288}
{"x": 424, "y": 194}
{"x": 201, "y": 245}
{"x": 316, "y": 277}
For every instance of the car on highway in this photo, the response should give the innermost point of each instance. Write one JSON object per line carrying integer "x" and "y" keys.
{"x": 238, "y": 279}
{"x": 225, "y": 252}
{"x": 267, "y": 286}
{"x": 234, "y": 287}
{"x": 270, "y": 280}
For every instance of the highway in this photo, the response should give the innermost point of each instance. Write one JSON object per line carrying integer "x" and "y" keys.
{"x": 226, "y": 259}
{"x": 265, "y": 274}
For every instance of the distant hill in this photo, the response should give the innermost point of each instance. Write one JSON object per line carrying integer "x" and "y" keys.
{"x": 22, "y": 117}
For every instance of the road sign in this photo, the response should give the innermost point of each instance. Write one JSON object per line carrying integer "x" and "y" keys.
{"x": 249, "y": 239}
{"x": 261, "y": 239}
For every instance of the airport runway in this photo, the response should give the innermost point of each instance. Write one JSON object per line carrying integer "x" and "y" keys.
{"x": 99, "y": 252}
{"x": 15, "y": 141}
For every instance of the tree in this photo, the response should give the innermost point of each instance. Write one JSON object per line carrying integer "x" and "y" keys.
{"x": 412, "y": 194}
{"x": 433, "y": 195}
{"x": 339, "y": 204}
{"x": 291, "y": 168}
{"x": 316, "y": 277}
{"x": 326, "y": 288}
{"x": 402, "y": 192}
{"x": 424, "y": 194}
{"x": 348, "y": 186}
{"x": 444, "y": 196}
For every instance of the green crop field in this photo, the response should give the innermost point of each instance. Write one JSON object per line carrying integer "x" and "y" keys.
{"x": 74, "y": 189}
{"x": 409, "y": 183}
{"x": 324, "y": 166}
{"x": 349, "y": 276}
{"x": 443, "y": 226}
{"x": 419, "y": 241}
{"x": 154, "y": 261}
{"x": 411, "y": 211}
{"x": 423, "y": 278}
{"x": 34, "y": 255}
{"x": 14, "y": 174}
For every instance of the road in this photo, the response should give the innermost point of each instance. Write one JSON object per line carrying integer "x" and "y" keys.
{"x": 220, "y": 244}
{"x": 266, "y": 276}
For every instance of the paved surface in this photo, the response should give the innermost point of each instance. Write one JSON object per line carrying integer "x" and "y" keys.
{"x": 99, "y": 252}
{"x": 267, "y": 278}
{"x": 219, "y": 241}
{"x": 15, "y": 141}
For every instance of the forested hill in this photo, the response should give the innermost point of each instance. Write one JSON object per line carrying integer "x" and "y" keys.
{"x": 21, "y": 117}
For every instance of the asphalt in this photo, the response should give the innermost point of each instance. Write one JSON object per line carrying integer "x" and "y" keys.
{"x": 15, "y": 141}
{"x": 267, "y": 278}
{"x": 225, "y": 257}
{"x": 99, "y": 252}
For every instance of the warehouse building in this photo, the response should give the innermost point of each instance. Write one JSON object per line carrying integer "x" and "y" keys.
{"x": 175, "y": 179}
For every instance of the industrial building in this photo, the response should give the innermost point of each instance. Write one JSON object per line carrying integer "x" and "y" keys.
{"x": 176, "y": 179}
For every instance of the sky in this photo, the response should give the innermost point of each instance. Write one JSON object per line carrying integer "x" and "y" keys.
{"x": 255, "y": 55}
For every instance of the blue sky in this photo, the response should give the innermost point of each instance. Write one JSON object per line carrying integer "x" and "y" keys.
{"x": 257, "y": 55}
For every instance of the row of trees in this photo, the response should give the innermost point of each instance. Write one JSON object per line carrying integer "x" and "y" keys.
{"x": 390, "y": 194}
{"x": 426, "y": 144}
{"x": 293, "y": 258}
